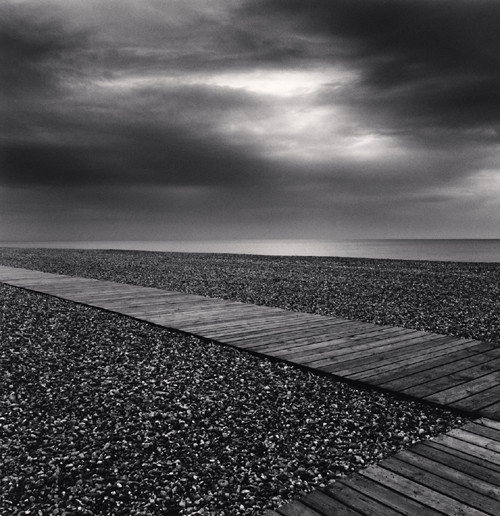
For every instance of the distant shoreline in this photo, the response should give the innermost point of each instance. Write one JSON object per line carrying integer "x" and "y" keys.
{"x": 450, "y": 250}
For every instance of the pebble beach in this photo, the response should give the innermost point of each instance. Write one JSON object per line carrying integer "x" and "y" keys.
{"x": 102, "y": 414}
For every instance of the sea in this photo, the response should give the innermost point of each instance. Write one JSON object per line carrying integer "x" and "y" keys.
{"x": 450, "y": 250}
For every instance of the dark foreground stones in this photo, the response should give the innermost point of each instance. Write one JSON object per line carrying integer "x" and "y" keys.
{"x": 101, "y": 414}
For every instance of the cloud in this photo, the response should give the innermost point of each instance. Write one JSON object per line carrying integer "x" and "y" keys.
{"x": 268, "y": 114}
{"x": 36, "y": 51}
{"x": 438, "y": 61}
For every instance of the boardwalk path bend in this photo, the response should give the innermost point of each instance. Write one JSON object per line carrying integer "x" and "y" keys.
{"x": 458, "y": 473}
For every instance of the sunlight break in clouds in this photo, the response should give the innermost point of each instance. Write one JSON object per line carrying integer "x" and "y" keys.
{"x": 286, "y": 118}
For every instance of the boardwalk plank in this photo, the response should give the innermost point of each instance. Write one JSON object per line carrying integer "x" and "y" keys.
{"x": 348, "y": 327}
{"x": 451, "y": 379}
{"x": 408, "y": 350}
{"x": 326, "y": 505}
{"x": 457, "y": 460}
{"x": 385, "y": 374}
{"x": 468, "y": 448}
{"x": 471, "y": 499}
{"x": 402, "y": 347}
{"x": 457, "y": 392}
{"x": 397, "y": 501}
{"x": 452, "y": 370}
{"x": 359, "y": 501}
{"x": 477, "y": 402}
{"x": 299, "y": 348}
{"x": 492, "y": 411}
{"x": 483, "y": 487}
{"x": 420, "y": 493}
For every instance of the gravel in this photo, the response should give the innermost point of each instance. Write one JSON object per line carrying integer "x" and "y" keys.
{"x": 102, "y": 414}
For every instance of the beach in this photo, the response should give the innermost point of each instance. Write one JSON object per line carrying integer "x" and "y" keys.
{"x": 106, "y": 415}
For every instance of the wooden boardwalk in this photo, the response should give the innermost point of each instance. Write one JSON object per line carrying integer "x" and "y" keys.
{"x": 455, "y": 372}
{"x": 454, "y": 474}
{"x": 457, "y": 473}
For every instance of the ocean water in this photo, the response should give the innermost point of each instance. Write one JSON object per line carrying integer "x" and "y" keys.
{"x": 455, "y": 250}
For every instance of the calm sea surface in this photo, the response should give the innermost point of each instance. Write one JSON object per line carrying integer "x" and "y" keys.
{"x": 485, "y": 250}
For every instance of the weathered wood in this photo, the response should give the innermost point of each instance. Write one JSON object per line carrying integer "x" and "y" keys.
{"x": 393, "y": 499}
{"x": 386, "y": 374}
{"x": 479, "y": 486}
{"x": 419, "y": 492}
{"x": 451, "y": 378}
{"x": 457, "y": 392}
{"x": 326, "y": 505}
{"x": 407, "y": 350}
{"x": 460, "y": 462}
{"x": 349, "y": 363}
{"x": 359, "y": 500}
{"x": 297, "y": 508}
{"x": 472, "y": 448}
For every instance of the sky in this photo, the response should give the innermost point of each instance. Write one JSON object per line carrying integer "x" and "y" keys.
{"x": 249, "y": 119}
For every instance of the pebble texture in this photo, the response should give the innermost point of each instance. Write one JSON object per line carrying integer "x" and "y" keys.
{"x": 101, "y": 414}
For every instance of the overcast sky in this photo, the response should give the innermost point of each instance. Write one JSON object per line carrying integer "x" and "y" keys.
{"x": 213, "y": 119}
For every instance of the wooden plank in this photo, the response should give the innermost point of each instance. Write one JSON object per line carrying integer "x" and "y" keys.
{"x": 348, "y": 348}
{"x": 305, "y": 344}
{"x": 457, "y": 392}
{"x": 415, "y": 365}
{"x": 449, "y": 370}
{"x": 348, "y": 327}
{"x": 397, "y": 501}
{"x": 334, "y": 332}
{"x": 485, "y": 488}
{"x": 179, "y": 310}
{"x": 254, "y": 327}
{"x": 251, "y": 313}
{"x": 451, "y": 378}
{"x": 419, "y": 492}
{"x": 406, "y": 351}
{"x": 451, "y": 458}
{"x": 488, "y": 422}
{"x": 477, "y": 440}
{"x": 358, "y": 500}
{"x": 349, "y": 362}
{"x": 279, "y": 320}
{"x": 471, "y": 500}
{"x": 482, "y": 430}
{"x": 278, "y": 341}
{"x": 367, "y": 372}
{"x": 325, "y": 505}
{"x": 127, "y": 305}
{"x": 298, "y": 341}
{"x": 231, "y": 318}
{"x": 283, "y": 328}
{"x": 476, "y": 402}
{"x": 297, "y": 508}
{"x": 492, "y": 411}
{"x": 469, "y": 448}
{"x": 138, "y": 300}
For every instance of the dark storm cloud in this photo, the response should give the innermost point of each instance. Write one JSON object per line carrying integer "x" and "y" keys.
{"x": 35, "y": 52}
{"x": 437, "y": 60}
{"x": 135, "y": 155}
{"x": 281, "y": 114}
